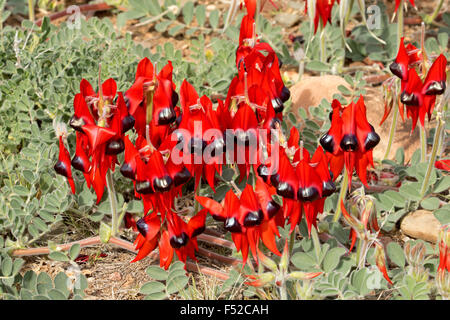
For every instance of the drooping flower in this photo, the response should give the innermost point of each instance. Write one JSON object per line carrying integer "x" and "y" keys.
{"x": 397, "y": 4}
{"x": 62, "y": 166}
{"x": 322, "y": 12}
{"x": 350, "y": 140}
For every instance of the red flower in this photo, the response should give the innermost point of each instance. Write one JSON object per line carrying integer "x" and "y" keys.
{"x": 249, "y": 218}
{"x": 177, "y": 236}
{"x": 420, "y": 97}
{"x": 397, "y": 4}
{"x": 322, "y": 12}
{"x": 350, "y": 140}
{"x": 442, "y": 164}
{"x": 62, "y": 167}
{"x": 444, "y": 250}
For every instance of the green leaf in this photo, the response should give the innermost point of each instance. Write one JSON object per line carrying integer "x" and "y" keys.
{"x": 443, "y": 184}
{"x": 74, "y": 251}
{"x": 188, "y": 12}
{"x": 396, "y": 254}
{"x": 156, "y": 296}
{"x": 200, "y": 14}
{"x": 431, "y": 203}
{"x": 317, "y": 66}
{"x": 58, "y": 256}
{"x": 157, "y": 273}
{"x": 135, "y": 206}
{"x": 7, "y": 266}
{"x": 332, "y": 259}
{"x": 409, "y": 192}
{"x": 163, "y": 25}
{"x": 104, "y": 232}
{"x": 152, "y": 287}
{"x": 443, "y": 214}
{"x": 214, "y": 19}
{"x": 303, "y": 261}
{"x": 55, "y": 294}
{"x": 176, "y": 284}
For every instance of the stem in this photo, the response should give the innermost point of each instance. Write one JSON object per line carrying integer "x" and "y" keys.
{"x": 31, "y": 10}
{"x": 429, "y": 19}
{"x": 423, "y": 144}
{"x": 395, "y": 115}
{"x": 323, "y": 48}
{"x": 215, "y": 241}
{"x": 342, "y": 194}
{"x": 291, "y": 241}
{"x": 391, "y": 133}
{"x": 283, "y": 291}
{"x": 433, "y": 155}
{"x": 316, "y": 242}
{"x": 113, "y": 203}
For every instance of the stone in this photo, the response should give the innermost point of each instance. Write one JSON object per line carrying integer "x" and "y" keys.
{"x": 421, "y": 224}
{"x": 287, "y": 20}
{"x": 311, "y": 90}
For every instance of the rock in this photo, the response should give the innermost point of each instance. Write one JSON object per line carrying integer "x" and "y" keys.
{"x": 421, "y": 224}
{"x": 287, "y": 20}
{"x": 311, "y": 90}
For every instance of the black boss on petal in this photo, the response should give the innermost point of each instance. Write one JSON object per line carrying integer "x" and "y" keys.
{"x": 181, "y": 177}
{"x": 436, "y": 88}
{"x": 232, "y": 225}
{"x": 409, "y": 99}
{"x": 372, "y": 140}
{"x": 397, "y": 69}
{"x": 77, "y": 123}
{"x": 328, "y": 188}
{"x": 144, "y": 187}
{"x": 198, "y": 231}
{"x": 277, "y": 105}
{"x": 309, "y": 194}
{"x": 272, "y": 208}
{"x": 127, "y": 123}
{"x": 285, "y": 94}
{"x": 162, "y": 184}
{"x": 179, "y": 241}
{"x": 174, "y": 98}
{"x": 253, "y": 218}
{"x": 142, "y": 227}
{"x": 275, "y": 180}
{"x": 61, "y": 168}
{"x": 218, "y": 147}
{"x": 327, "y": 142}
{"x": 166, "y": 116}
{"x": 197, "y": 145}
{"x": 285, "y": 190}
{"x": 349, "y": 142}
{"x": 115, "y": 147}
{"x": 127, "y": 171}
{"x": 78, "y": 164}
{"x": 263, "y": 172}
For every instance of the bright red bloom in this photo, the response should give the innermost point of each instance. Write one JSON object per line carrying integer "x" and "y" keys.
{"x": 442, "y": 164}
{"x": 420, "y": 97}
{"x": 397, "y": 4}
{"x": 251, "y": 6}
{"x": 249, "y": 218}
{"x": 322, "y": 12}
{"x": 444, "y": 250}
{"x": 350, "y": 140}
{"x": 62, "y": 167}
{"x": 174, "y": 235}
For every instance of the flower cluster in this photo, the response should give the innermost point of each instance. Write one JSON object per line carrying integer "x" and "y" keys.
{"x": 419, "y": 96}
{"x": 181, "y": 137}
